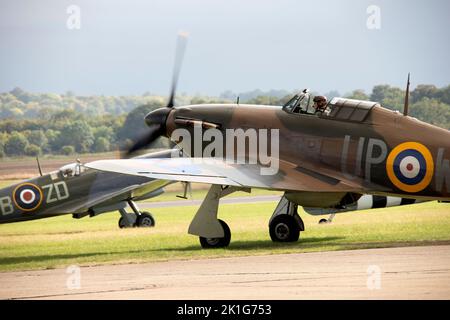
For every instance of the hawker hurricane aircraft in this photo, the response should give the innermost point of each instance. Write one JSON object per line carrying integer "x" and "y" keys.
{"x": 77, "y": 190}
{"x": 323, "y": 154}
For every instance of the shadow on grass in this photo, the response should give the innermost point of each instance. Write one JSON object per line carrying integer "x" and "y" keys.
{"x": 48, "y": 257}
{"x": 320, "y": 243}
{"x": 262, "y": 244}
{"x": 234, "y": 246}
{"x": 309, "y": 244}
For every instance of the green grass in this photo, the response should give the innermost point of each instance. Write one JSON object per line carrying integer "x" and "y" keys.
{"x": 62, "y": 241}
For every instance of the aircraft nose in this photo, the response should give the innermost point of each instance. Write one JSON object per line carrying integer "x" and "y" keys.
{"x": 157, "y": 117}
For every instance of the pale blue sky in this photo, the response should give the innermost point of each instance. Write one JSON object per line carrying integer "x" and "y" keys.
{"x": 127, "y": 47}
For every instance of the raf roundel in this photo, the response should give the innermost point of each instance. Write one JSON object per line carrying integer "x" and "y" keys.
{"x": 410, "y": 166}
{"x": 27, "y": 196}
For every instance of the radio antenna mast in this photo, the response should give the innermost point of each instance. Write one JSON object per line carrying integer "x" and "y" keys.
{"x": 405, "y": 108}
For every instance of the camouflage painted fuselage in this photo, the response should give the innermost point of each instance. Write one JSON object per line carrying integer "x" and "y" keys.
{"x": 376, "y": 151}
{"x": 86, "y": 192}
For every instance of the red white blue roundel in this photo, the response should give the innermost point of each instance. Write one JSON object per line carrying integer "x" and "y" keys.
{"x": 410, "y": 166}
{"x": 27, "y": 196}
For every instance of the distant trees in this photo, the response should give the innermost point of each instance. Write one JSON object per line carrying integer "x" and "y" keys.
{"x": 37, "y": 138}
{"x": 15, "y": 144}
{"x": 427, "y": 102}
{"x": 19, "y": 104}
{"x": 359, "y": 95}
{"x": 33, "y": 124}
{"x": 101, "y": 144}
{"x": 433, "y": 111}
{"x": 32, "y": 150}
{"x": 269, "y": 100}
{"x": 67, "y": 150}
{"x": 134, "y": 125}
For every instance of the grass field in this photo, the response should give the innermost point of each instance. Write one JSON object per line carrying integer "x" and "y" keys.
{"x": 62, "y": 241}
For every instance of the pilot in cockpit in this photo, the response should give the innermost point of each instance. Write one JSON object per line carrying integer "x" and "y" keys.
{"x": 320, "y": 104}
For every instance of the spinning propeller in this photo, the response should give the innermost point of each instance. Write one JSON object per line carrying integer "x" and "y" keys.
{"x": 156, "y": 120}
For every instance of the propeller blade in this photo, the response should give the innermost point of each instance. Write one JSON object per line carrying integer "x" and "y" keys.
{"x": 179, "y": 54}
{"x": 156, "y": 119}
{"x": 145, "y": 140}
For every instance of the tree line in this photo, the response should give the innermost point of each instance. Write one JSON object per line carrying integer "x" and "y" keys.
{"x": 33, "y": 124}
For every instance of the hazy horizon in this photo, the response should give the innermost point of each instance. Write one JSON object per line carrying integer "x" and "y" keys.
{"x": 127, "y": 47}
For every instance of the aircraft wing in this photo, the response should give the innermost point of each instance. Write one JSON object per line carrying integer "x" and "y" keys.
{"x": 78, "y": 207}
{"x": 218, "y": 171}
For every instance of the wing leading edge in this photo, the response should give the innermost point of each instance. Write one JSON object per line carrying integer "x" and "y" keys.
{"x": 218, "y": 171}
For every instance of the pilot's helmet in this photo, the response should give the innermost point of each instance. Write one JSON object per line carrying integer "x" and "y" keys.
{"x": 320, "y": 99}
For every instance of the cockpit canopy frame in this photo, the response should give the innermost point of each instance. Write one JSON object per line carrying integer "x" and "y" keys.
{"x": 342, "y": 109}
{"x": 348, "y": 109}
{"x": 72, "y": 170}
{"x": 300, "y": 103}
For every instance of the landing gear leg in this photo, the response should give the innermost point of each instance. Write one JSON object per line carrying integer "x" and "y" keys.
{"x": 144, "y": 219}
{"x": 285, "y": 224}
{"x": 135, "y": 219}
{"x": 212, "y": 232}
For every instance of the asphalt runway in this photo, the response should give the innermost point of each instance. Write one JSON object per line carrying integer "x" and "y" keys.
{"x": 392, "y": 273}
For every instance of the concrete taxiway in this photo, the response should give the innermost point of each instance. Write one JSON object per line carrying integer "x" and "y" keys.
{"x": 391, "y": 273}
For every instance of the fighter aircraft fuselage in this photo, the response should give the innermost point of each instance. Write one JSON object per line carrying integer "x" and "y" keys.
{"x": 382, "y": 150}
{"x": 57, "y": 193}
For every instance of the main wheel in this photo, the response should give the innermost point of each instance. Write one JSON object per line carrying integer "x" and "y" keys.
{"x": 123, "y": 223}
{"x": 284, "y": 228}
{"x": 323, "y": 221}
{"x": 208, "y": 243}
{"x": 145, "y": 220}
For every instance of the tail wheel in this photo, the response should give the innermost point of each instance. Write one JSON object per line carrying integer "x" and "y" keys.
{"x": 284, "y": 228}
{"x": 145, "y": 220}
{"x": 208, "y": 243}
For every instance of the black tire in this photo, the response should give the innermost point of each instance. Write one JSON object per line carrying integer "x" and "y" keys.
{"x": 323, "y": 221}
{"x": 284, "y": 228}
{"x": 211, "y": 243}
{"x": 122, "y": 223}
{"x": 145, "y": 220}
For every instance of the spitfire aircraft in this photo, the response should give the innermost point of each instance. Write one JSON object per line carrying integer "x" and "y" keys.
{"x": 77, "y": 190}
{"x": 321, "y": 155}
